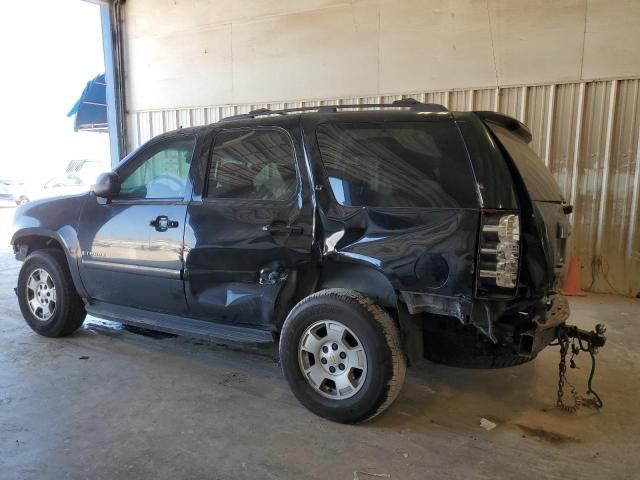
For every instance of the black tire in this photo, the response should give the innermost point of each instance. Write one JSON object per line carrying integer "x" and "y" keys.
{"x": 69, "y": 312}
{"x": 379, "y": 336}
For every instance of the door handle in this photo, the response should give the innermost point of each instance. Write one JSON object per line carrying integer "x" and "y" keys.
{"x": 162, "y": 223}
{"x": 282, "y": 228}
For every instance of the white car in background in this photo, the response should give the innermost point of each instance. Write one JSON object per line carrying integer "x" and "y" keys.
{"x": 78, "y": 178}
{"x": 12, "y": 192}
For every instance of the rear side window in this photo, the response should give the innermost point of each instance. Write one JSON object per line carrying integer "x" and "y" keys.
{"x": 252, "y": 165}
{"x": 397, "y": 164}
{"x": 536, "y": 176}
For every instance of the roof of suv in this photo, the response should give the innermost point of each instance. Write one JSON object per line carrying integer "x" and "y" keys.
{"x": 407, "y": 109}
{"x": 311, "y": 119}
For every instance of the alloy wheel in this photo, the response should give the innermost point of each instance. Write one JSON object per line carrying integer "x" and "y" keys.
{"x": 332, "y": 359}
{"x": 41, "y": 294}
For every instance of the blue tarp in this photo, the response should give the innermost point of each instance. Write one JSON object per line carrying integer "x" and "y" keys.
{"x": 91, "y": 108}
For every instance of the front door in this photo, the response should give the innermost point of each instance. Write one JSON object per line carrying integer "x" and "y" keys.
{"x": 132, "y": 245}
{"x": 251, "y": 230}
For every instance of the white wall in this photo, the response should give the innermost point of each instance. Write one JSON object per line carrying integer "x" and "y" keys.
{"x": 185, "y": 53}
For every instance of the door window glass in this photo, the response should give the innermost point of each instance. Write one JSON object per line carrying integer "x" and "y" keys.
{"x": 252, "y": 165}
{"x": 162, "y": 174}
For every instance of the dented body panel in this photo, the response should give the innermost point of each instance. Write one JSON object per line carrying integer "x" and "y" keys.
{"x": 427, "y": 250}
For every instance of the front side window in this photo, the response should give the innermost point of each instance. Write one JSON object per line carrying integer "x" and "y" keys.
{"x": 397, "y": 164}
{"x": 162, "y": 173}
{"x": 252, "y": 165}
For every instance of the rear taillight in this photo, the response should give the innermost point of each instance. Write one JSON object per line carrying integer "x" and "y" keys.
{"x": 499, "y": 251}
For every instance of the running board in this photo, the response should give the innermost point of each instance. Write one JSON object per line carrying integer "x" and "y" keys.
{"x": 188, "y": 327}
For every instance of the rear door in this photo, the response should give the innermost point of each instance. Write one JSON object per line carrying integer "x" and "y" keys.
{"x": 132, "y": 245}
{"x": 246, "y": 237}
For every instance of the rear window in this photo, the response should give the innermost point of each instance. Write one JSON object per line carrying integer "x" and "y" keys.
{"x": 397, "y": 164}
{"x": 535, "y": 174}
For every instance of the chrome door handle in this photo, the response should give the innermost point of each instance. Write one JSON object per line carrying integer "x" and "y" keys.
{"x": 162, "y": 223}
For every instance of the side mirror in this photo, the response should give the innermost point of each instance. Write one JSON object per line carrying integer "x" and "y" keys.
{"x": 107, "y": 185}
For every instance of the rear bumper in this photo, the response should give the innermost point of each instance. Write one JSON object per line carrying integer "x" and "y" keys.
{"x": 546, "y": 327}
{"x": 516, "y": 328}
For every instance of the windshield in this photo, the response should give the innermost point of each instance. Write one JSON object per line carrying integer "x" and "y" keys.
{"x": 536, "y": 176}
{"x": 397, "y": 164}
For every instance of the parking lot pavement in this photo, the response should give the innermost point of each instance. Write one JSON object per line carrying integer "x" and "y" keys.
{"x": 112, "y": 403}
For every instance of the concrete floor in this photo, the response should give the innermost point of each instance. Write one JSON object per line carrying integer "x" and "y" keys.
{"x": 109, "y": 403}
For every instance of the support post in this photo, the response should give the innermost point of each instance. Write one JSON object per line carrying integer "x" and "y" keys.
{"x": 114, "y": 77}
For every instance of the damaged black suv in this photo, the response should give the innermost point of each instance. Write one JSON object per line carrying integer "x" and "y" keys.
{"x": 360, "y": 240}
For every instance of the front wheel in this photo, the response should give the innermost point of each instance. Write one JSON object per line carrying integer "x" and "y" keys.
{"x": 341, "y": 355}
{"x": 46, "y": 294}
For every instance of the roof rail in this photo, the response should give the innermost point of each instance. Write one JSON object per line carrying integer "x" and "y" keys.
{"x": 410, "y": 103}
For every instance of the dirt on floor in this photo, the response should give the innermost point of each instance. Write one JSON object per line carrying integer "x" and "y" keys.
{"x": 111, "y": 402}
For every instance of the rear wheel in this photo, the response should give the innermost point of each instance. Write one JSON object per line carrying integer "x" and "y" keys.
{"x": 46, "y": 294}
{"x": 341, "y": 355}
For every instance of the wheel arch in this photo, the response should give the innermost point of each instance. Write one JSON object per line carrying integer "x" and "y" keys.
{"x": 28, "y": 240}
{"x": 363, "y": 279}
{"x": 373, "y": 283}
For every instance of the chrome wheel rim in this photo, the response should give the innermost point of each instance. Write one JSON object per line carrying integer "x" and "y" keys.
{"x": 332, "y": 359}
{"x": 41, "y": 294}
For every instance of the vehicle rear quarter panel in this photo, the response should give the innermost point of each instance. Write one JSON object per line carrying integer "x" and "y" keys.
{"x": 430, "y": 250}
{"x": 419, "y": 250}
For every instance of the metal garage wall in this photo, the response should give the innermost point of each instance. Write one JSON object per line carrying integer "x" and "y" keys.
{"x": 587, "y": 133}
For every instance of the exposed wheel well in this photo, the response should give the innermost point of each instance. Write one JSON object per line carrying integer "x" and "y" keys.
{"x": 373, "y": 283}
{"x": 27, "y": 244}
{"x": 365, "y": 280}
{"x": 360, "y": 278}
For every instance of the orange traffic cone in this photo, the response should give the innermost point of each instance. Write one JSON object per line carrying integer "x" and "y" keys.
{"x": 572, "y": 280}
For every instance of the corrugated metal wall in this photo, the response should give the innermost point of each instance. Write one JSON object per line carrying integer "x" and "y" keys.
{"x": 587, "y": 133}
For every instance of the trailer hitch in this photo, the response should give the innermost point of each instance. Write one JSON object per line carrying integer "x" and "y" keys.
{"x": 580, "y": 341}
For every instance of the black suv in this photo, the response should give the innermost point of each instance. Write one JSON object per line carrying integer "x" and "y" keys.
{"x": 361, "y": 240}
